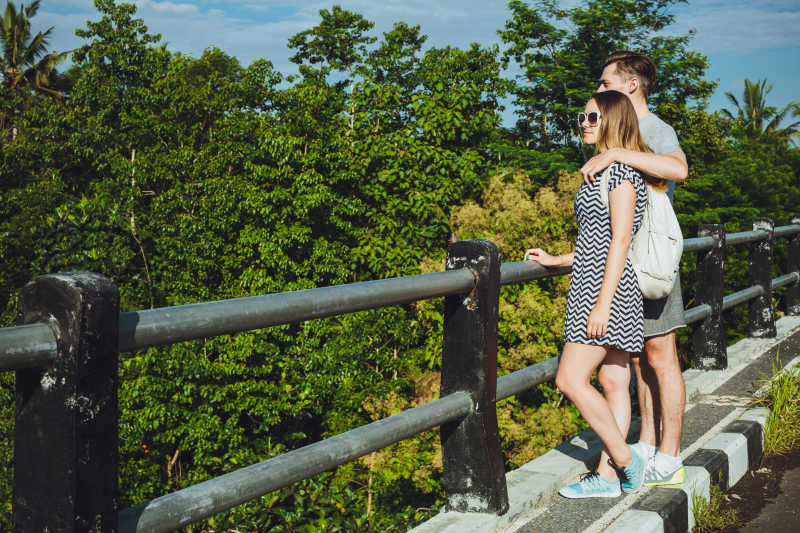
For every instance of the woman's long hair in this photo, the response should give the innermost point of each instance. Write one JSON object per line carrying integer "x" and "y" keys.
{"x": 619, "y": 128}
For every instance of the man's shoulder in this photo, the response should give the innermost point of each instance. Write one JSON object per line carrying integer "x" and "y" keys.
{"x": 653, "y": 122}
{"x": 658, "y": 135}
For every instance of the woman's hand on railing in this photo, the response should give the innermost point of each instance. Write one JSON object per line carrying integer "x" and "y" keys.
{"x": 545, "y": 259}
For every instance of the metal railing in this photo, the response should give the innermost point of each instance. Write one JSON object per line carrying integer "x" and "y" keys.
{"x": 65, "y": 354}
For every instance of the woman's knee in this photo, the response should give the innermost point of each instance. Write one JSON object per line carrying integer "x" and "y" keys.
{"x": 566, "y": 383}
{"x": 613, "y": 378}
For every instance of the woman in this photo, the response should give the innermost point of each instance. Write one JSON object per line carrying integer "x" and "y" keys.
{"x": 604, "y": 321}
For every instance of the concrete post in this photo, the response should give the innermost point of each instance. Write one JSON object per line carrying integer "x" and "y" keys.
{"x": 762, "y": 315}
{"x": 709, "y": 338}
{"x": 66, "y": 457}
{"x": 474, "y": 475}
{"x": 791, "y": 300}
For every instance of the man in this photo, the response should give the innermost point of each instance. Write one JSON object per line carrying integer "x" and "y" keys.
{"x": 661, "y": 390}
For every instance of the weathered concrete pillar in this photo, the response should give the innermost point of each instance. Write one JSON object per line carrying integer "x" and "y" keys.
{"x": 791, "y": 300}
{"x": 66, "y": 457}
{"x": 474, "y": 475}
{"x": 709, "y": 339}
{"x": 762, "y": 315}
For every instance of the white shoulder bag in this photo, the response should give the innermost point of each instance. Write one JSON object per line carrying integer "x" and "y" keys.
{"x": 657, "y": 246}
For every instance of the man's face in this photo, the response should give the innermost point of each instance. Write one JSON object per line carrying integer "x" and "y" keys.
{"x": 611, "y": 80}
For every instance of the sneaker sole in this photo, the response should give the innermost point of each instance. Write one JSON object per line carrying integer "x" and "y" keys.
{"x": 678, "y": 477}
{"x": 582, "y": 496}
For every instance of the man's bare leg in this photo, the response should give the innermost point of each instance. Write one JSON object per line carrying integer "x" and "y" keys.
{"x": 662, "y": 359}
{"x": 646, "y": 392}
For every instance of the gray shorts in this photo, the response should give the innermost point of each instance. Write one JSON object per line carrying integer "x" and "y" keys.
{"x": 666, "y": 314}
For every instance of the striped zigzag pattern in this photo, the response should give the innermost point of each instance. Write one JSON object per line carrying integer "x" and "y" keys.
{"x": 625, "y": 325}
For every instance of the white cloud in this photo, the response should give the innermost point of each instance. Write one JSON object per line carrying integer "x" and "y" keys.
{"x": 741, "y": 26}
{"x": 67, "y": 4}
{"x": 252, "y": 29}
{"x": 167, "y": 8}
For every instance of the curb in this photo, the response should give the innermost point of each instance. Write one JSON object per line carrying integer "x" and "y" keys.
{"x": 724, "y": 460}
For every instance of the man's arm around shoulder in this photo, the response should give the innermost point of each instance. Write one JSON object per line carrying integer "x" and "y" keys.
{"x": 670, "y": 166}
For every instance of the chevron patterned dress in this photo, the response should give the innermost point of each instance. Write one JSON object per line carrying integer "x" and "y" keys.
{"x": 625, "y": 324}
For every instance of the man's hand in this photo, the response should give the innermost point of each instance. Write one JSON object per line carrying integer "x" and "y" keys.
{"x": 598, "y": 163}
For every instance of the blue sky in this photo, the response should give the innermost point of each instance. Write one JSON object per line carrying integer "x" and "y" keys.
{"x": 742, "y": 39}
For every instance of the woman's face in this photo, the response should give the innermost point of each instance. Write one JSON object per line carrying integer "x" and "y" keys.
{"x": 590, "y": 128}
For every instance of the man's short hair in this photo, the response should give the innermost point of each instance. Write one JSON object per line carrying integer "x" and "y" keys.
{"x": 634, "y": 65}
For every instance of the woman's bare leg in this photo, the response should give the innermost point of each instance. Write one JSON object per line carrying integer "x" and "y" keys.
{"x": 578, "y": 362}
{"x": 614, "y": 376}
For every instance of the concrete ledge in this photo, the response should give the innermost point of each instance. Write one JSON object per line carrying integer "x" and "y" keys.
{"x": 739, "y": 356}
{"x": 531, "y": 486}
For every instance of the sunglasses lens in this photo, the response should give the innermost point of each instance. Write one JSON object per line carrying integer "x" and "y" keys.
{"x": 591, "y": 118}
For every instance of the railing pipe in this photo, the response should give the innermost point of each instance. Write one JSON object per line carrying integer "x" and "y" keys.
{"x": 698, "y": 244}
{"x": 527, "y": 378}
{"x": 168, "y": 325}
{"x": 192, "y": 504}
{"x": 761, "y": 312}
{"x": 742, "y": 296}
{"x": 142, "y": 329}
{"x": 696, "y": 313}
{"x": 522, "y": 271}
{"x": 26, "y": 346}
{"x": 786, "y": 279}
{"x": 746, "y": 237}
{"x": 791, "y": 229}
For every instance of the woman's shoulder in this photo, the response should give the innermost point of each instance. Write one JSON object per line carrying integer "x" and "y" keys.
{"x": 623, "y": 170}
{"x": 618, "y": 172}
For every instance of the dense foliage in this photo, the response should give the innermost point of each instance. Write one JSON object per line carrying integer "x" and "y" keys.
{"x": 194, "y": 179}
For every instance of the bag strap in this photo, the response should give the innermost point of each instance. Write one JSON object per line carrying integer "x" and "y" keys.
{"x": 604, "y": 186}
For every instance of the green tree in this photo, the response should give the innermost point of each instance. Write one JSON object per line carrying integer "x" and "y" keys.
{"x": 25, "y": 58}
{"x": 559, "y": 53}
{"x": 338, "y": 44}
{"x": 756, "y": 118}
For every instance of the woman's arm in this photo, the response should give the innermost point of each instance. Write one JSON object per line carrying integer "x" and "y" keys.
{"x": 621, "y": 204}
{"x": 545, "y": 259}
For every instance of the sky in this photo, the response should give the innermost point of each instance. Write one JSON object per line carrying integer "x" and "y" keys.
{"x": 752, "y": 39}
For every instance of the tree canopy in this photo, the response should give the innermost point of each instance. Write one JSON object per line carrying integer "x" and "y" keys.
{"x": 189, "y": 179}
{"x": 756, "y": 118}
{"x": 25, "y": 58}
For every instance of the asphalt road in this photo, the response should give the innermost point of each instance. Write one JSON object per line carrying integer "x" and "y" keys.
{"x": 782, "y": 512}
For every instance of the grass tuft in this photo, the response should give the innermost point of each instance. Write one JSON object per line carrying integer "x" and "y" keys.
{"x": 782, "y": 427}
{"x": 712, "y": 514}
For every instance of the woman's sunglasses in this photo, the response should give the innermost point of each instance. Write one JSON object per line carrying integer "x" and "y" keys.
{"x": 592, "y": 117}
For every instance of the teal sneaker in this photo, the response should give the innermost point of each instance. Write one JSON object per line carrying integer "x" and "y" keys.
{"x": 634, "y": 472}
{"x": 591, "y": 485}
